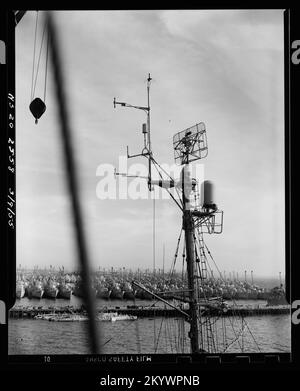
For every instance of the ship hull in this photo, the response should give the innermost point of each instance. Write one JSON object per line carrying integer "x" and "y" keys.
{"x": 277, "y": 301}
{"x": 50, "y": 292}
{"x": 64, "y": 293}
{"x": 35, "y": 293}
{"x": 78, "y": 291}
{"x": 116, "y": 294}
{"x": 103, "y": 294}
{"x": 128, "y": 295}
{"x": 147, "y": 296}
{"x": 20, "y": 291}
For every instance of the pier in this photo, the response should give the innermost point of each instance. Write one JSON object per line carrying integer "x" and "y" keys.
{"x": 147, "y": 311}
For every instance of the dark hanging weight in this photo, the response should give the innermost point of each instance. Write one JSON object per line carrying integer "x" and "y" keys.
{"x": 37, "y": 108}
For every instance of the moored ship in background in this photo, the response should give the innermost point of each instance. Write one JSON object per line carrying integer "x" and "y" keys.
{"x": 116, "y": 292}
{"x": 20, "y": 289}
{"x": 103, "y": 292}
{"x": 64, "y": 291}
{"x": 35, "y": 290}
{"x": 277, "y": 296}
{"x": 78, "y": 289}
{"x": 50, "y": 289}
{"x": 117, "y": 285}
{"x": 129, "y": 292}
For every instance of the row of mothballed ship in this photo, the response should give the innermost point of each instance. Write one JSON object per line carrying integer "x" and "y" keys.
{"x": 41, "y": 286}
{"x": 119, "y": 286}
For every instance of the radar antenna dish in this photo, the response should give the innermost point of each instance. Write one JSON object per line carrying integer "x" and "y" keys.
{"x": 190, "y": 144}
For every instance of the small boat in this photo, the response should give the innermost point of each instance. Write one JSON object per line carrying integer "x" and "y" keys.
{"x": 106, "y": 316}
{"x": 123, "y": 317}
{"x": 62, "y": 317}
{"x": 69, "y": 318}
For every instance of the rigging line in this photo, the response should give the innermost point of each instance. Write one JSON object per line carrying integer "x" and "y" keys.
{"x": 176, "y": 254}
{"x": 137, "y": 332}
{"x": 201, "y": 323}
{"x": 233, "y": 329}
{"x": 172, "y": 270}
{"x": 183, "y": 253}
{"x": 174, "y": 199}
{"x": 236, "y": 315}
{"x": 157, "y": 164}
{"x": 72, "y": 180}
{"x": 159, "y": 333}
{"x": 34, "y": 48}
{"x": 153, "y": 251}
{"x": 235, "y": 339}
{"x": 177, "y": 191}
{"x": 246, "y": 324}
{"x": 176, "y": 333}
{"x": 38, "y": 64}
{"x": 234, "y": 302}
{"x": 182, "y": 274}
{"x": 222, "y": 330}
{"x": 46, "y": 70}
{"x": 178, "y": 329}
{"x": 225, "y": 329}
{"x": 165, "y": 332}
{"x": 107, "y": 341}
{"x": 211, "y": 325}
{"x": 154, "y": 322}
{"x": 216, "y": 333}
{"x": 169, "y": 335}
{"x": 153, "y": 233}
{"x": 234, "y": 312}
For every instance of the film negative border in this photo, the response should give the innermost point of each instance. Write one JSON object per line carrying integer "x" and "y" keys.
{"x": 9, "y": 21}
{"x": 148, "y": 359}
{"x": 8, "y": 171}
{"x": 293, "y": 79}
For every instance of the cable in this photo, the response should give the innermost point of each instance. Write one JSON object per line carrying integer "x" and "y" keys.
{"x": 174, "y": 199}
{"x": 234, "y": 302}
{"x": 153, "y": 234}
{"x": 38, "y": 64}
{"x": 72, "y": 180}
{"x": 176, "y": 254}
{"x": 34, "y": 48}
{"x": 46, "y": 69}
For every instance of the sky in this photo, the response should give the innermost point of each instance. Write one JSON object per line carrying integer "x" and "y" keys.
{"x": 223, "y": 68}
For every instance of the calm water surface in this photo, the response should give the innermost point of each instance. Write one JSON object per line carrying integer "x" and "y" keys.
{"x": 145, "y": 335}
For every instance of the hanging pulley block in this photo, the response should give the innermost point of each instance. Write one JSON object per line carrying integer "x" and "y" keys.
{"x": 37, "y": 108}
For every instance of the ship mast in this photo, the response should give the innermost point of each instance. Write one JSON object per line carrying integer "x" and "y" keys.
{"x": 188, "y": 227}
{"x": 189, "y": 145}
{"x": 147, "y": 151}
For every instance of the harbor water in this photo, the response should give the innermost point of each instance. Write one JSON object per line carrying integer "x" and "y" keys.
{"x": 144, "y": 335}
